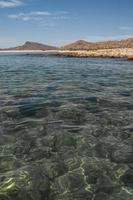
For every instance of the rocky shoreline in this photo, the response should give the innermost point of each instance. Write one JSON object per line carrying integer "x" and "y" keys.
{"x": 126, "y": 53}
{"x": 111, "y": 53}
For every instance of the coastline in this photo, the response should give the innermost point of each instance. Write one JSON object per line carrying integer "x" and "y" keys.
{"x": 27, "y": 51}
{"x": 111, "y": 53}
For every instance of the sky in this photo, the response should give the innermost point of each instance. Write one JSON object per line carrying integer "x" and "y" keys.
{"x": 59, "y": 22}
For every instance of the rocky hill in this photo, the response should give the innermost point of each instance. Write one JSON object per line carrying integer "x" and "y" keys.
{"x": 84, "y": 45}
{"x": 33, "y": 46}
{"x": 78, "y": 45}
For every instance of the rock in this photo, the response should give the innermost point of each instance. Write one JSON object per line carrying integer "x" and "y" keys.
{"x": 124, "y": 194}
{"x": 122, "y": 153}
{"x": 62, "y": 140}
{"x": 106, "y": 185}
{"x": 101, "y": 196}
{"x": 8, "y": 163}
{"x": 71, "y": 186}
{"x": 130, "y": 57}
{"x": 127, "y": 178}
{"x": 73, "y": 113}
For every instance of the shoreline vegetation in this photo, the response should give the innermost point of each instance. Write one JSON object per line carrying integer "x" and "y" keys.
{"x": 80, "y": 48}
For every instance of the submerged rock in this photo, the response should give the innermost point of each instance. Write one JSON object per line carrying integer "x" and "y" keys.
{"x": 127, "y": 178}
{"x": 73, "y": 113}
{"x": 122, "y": 153}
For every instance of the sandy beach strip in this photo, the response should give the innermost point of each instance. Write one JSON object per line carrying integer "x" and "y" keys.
{"x": 27, "y": 51}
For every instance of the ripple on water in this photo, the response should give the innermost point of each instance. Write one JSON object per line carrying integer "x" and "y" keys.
{"x": 65, "y": 128}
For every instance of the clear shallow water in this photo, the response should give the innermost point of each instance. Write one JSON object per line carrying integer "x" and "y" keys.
{"x": 66, "y": 128}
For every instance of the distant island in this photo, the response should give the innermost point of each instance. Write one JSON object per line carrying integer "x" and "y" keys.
{"x": 81, "y": 48}
{"x": 31, "y": 46}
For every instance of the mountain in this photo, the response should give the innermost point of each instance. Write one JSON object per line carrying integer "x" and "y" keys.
{"x": 33, "y": 46}
{"x": 84, "y": 45}
{"x": 78, "y": 45}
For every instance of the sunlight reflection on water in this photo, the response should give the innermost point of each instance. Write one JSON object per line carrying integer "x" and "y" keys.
{"x": 65, "y": 128}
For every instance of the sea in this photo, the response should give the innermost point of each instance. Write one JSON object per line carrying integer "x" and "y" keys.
{"x": 66, "y": 128}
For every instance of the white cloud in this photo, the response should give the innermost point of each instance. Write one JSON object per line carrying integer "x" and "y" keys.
{"x": 10, "y": 3}
{"x": 43, "y": 19}
{"x": 39, "y": 15}
{"x": 30, "y": 16}
{"x": 126, "y": 28}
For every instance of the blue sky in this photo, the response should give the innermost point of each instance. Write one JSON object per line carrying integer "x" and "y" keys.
{"x": 59, "y": 22}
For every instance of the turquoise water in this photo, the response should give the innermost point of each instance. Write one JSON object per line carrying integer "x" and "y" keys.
{"x": 66, "y": 128}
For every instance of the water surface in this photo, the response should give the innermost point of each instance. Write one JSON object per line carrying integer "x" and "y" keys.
{"x": 66, "y": 128}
